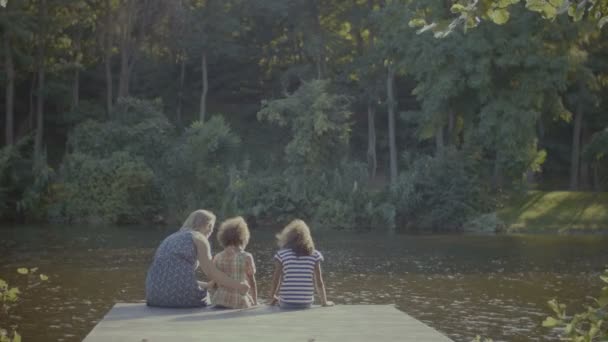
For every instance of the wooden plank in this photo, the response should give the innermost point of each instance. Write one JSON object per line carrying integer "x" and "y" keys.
{"x": 343, "y": 323}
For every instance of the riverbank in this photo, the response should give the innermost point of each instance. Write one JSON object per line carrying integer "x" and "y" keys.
{"x": 557, "y": 212}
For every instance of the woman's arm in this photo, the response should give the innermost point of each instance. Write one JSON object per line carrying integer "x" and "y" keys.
{"x": 204, "y": 259}
{"x": 276, "y": 281}
{"x": 251, "y": 279}
{"x": 320, "y": 285}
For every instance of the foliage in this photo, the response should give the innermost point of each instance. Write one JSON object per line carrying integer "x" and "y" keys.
{"x": 9, "y": 297}
{"x": 485, "y": 223}
{"x": 24, "y": 179}
{"x": 195, "y": 167}
{"x": 136, "y": 126}
{"x": 471, "y": 13}
{"x": 438, "y": 193}
{"x": 318, "y": 119}
{"x": 586, "y": 326}
{"x": 597, "y": 149}
{"x": 118, "y": 188}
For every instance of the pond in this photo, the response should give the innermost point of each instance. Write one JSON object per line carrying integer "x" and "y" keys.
{"x": 461, "y": 285}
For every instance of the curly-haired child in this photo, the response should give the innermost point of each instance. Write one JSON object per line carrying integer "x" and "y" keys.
{"x": 297, "y": 269}
{"x": 234, "y": 235}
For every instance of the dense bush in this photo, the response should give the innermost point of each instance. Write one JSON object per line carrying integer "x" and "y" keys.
{"x": 195, "y": 168}
{"x": 335, "y": 199}
{"x": 119, "y": 188}
{"x": 438, "y": 193}
{"x": 24, "y": 183}
{"x": 110, "y": 173}
{"x": 319, "y": 121}
{"x": 136, "y": 126}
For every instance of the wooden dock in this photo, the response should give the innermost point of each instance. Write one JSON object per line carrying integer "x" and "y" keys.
{"x": 343, "y": 323}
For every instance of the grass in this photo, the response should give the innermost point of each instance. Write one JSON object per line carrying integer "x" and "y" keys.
{"x": 557, "y": 212}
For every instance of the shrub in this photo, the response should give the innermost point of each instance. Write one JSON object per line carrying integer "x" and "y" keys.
{"x": 24, "y": 182}
{"x": 136, "y": 126}
{"x": 116, "y": 189}
{"x": 438, "y": 193}
{"x": 195, "y": 170}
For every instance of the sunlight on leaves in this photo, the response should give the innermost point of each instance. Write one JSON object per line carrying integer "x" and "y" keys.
{"x": 23, "y": 270}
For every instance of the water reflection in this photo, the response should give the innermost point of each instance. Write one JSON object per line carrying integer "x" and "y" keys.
{"x": 496, "y": 286}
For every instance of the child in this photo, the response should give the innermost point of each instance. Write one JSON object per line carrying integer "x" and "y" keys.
{"x": 296, "y": 265}
{"x": 233, "y": 235}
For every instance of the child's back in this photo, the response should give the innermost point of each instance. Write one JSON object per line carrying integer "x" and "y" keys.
{"x": 297, "y": 269}
{"x": 297, "y": 282}
{"x": 237, "y": 264}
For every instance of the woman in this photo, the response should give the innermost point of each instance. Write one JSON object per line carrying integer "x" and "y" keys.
{"x": 171, "y": 280}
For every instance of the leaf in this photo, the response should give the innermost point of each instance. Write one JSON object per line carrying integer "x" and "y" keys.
{"x": 550, "y": 322}
{"x": 575, "y": 12}
{"x": 556, "y": 3}
{"x": 16, "y": 337}
{"x": 603, "y": 301}
{"x": 604, "y": 279}
{"x": 3, "y": 285}
{"x": 499, "y": 16}
{"x": 458, "y": 8}
{"x": 44, "y": 277}
{"x": 506, "y": 3}
{"x": 543, "y": 7}
{"x": 33, "y": 269}
{"x": 13, "y": 294}
{"x": 3, "y": 3}
{"x": 22, "y": 270}
{"x": 418, "y": 22}
{"x": 602, "y": 22}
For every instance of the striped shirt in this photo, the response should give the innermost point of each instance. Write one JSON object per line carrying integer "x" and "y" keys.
{"x": 297, "y": 285}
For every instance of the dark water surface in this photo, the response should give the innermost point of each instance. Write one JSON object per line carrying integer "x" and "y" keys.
{"x": 495, "y": 286}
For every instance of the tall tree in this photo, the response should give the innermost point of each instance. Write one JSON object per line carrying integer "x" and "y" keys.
{"x": 107, "y": 55}
{"x": 9, "y": 67}
{"x": 391, "y": 104}
{"x": 41, "y": 65}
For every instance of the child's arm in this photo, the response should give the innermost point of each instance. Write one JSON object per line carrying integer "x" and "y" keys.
{"x": 276, "y": 281}
{"x": 320, "y": 285}
{"x": 251, "y": 279}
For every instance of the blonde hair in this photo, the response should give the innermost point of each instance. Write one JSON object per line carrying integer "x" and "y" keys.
{"x": 296, "y": 236}
{"x": 233, "y": 232}
{"x": 198, "y": 219}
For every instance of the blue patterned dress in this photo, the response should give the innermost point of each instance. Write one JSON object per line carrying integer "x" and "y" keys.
{"x": 171, "y": 280}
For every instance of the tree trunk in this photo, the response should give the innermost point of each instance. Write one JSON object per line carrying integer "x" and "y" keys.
{"x": 439, "y": 140}
{"x": 123, "y": 82}
{"x": 10, "y": 91}
{"x": 585, "y": 168}
{"x": 108, "y": 57}
{"x": 126, "y": 46}
{"x": 451, "y": 127}
{"x": 372, "y": 162}
{"x": 180, "y": 93}
{"x": 576, "y": 142}
{"x": 76, "y": 89}
{"x": 318, "y": 32}
{"x": 32, "y": 106}
{"x": 497, "y": 176}
{"x": 391, "y": 103}
{"x": 203, "y": 110}
{"x": 596, "y": 176}
{"x": 41, "y": 74}
{"x": 76, "y": 83}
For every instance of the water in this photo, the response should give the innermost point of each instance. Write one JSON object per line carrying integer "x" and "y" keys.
{"x": 494, "y": 286}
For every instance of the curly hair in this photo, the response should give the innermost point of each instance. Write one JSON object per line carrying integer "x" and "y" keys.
{"x": 233, "y": 232}
{"x": 296, "y": 236}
